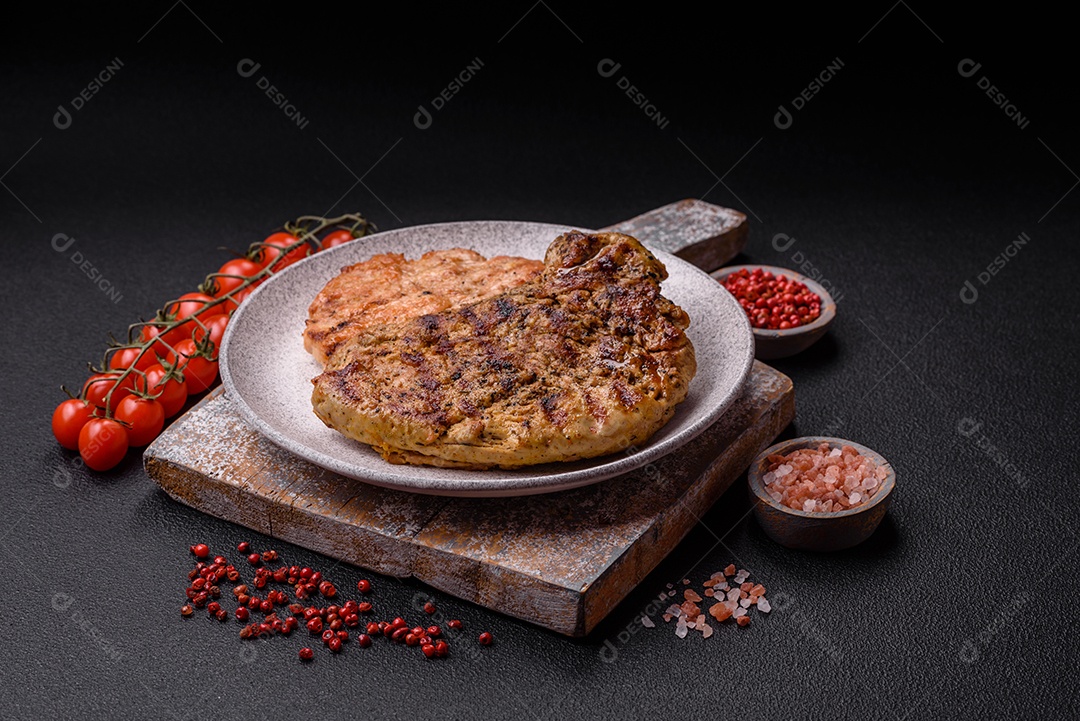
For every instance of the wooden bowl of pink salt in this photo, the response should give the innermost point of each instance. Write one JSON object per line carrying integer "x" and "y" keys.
{"x": 820, "y": 494}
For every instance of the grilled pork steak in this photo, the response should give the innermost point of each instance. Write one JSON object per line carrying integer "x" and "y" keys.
{"x": 586, "y": 359}
{"x": 387, "y": 288}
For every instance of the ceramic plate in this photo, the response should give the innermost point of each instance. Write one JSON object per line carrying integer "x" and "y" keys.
{"x": 267, "y": 373}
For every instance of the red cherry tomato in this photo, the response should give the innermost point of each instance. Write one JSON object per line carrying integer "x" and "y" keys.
{"x": 68, "y": 419}
{"x": 170, "y": 394}
{"x": 199, "y": 372}
{"x": 102, "y": 443}
{"x": 215, "y": 327}
{"x": 123, "y": 358}
{"x": 336, "y": 238}
{"x": 241, "y": 267}
{"x": 274, "y": 246}
{"x": 225, "y": 283}
{"x": 97, "y": 388}
{"x": 145, "y": 418}
{"x": 190, "y": 304}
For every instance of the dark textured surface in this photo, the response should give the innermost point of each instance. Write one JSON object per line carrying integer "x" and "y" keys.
{"x": 900, "y": 180}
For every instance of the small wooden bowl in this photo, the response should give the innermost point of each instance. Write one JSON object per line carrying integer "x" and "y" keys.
{"x": 769, "y": 344}
{"x": 817, "y": 531}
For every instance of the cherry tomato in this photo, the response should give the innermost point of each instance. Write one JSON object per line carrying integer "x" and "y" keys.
{"x": 336, "y": 238}
{"x": 190, "y": 304}
{"x": 274, "y": 247}
{"x": 216, "y": 329}
{"x": 97, "y": 387}
{"x": 68, "y": 419}
{"x": 199, "y": 372}
{"x": 170, "y": 394}
{"x": 102, "y": 443}
{"x": 123, "y": 358}
{"x": 236, "y": 267}
{"x": 144, "y": 416}
{"x": 224, "y": 284}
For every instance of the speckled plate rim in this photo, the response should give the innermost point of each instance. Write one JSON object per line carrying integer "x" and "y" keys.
{"x": 828, "y": 305}
{"x": 496, "y": 482}
{"x": 753, "y": 476}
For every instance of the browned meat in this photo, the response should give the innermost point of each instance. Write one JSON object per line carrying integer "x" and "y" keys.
{"x": 586, "y": 359}
{"x": 387, "y": 289}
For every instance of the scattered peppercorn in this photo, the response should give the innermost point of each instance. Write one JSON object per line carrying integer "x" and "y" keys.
{"x": 201, "y": 550}
{"x": 486, "y": 639}
{"x": 429, "y": 607}
{"x": 306, "y": 654}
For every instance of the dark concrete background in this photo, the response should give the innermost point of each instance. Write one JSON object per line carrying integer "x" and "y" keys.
{"x": 900, "y": 180}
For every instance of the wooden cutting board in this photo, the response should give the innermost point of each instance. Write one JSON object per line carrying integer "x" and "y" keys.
{"x": 562, "y": 560}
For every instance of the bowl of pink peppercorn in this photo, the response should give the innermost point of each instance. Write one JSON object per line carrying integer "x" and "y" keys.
{"x": 788, "y": 312}
{"x": 820, "y": 494}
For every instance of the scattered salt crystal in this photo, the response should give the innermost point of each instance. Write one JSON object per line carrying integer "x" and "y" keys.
{"x": 763, "y": 604}
{"x": 744, "y": 573}
{"x": 728, "y": 571}
{"x": 667, "y": 618}
{"x": 691, "y": 595}
{"x": 709, "y": 593}
{"x": 757, "y": 590}
{"x": 707, "y": 631}
{"x": 722, "y": 586}
{"x": 647, "y": 622}
{"x": 744, "y": 602}
{"x": 733, "y": 595}
{"x": 686, "y": 582}
{"x": 739, "y": 612}
{"x": 744, "y": 621}
{"x": 680, "y": 628}
{"x": 700, "y": 624}
{"x": 674, "y": 610}
{"x": 720, "y": 612}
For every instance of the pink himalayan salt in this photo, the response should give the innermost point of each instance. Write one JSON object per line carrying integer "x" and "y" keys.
{"x": 691, "y": 595}
{"x": 822, "y": 479}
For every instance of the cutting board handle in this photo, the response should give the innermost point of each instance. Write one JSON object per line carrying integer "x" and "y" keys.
{"x": 704, "y": 234}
